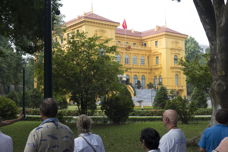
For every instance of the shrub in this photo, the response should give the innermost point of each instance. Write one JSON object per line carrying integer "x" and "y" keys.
{"x": 184, "y": 108}
{"x": 161, "y": 98}
{"x": 118, "y": 105}
{"x": 199, "y": 98}
{"x": 8, "y": 108}
{"x": 62, "y": 102}
{"x": 15, "y": 96}
{"x": 203, "y": 111}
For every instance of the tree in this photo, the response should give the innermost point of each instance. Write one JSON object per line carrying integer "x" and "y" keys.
{"x": 85, "y": 69}
{"x": 22, "y": 23}
{"x": 161, "y": 97}
{"x": 198, "y": 73}
{"x": 199, "y": 97}
{"x": 118, "y": 105}
{"x": 11, "y": 63}
{"x": 214, "y": 18}
{"x": 192, "y": 53}
{"x": 184, "y": 108}
{"x": 192, "y": 49}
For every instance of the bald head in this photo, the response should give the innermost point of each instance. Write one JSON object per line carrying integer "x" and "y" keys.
{"x": 171, "y": 116}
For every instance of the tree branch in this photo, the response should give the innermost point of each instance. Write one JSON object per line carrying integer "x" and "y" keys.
{"x": 207, "y": 17}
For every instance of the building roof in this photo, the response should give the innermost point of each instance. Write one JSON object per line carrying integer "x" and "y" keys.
{"x": 90, "y": 15}
{"x": 128, "y": 32}
{"x": 156, "y": 30}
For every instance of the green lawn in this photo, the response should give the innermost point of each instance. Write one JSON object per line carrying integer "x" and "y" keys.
{"x": 117, "y": 138}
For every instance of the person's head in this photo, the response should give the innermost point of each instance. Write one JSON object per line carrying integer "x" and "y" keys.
{"x": 84, "y": 124}
{"x": 150, "y": 138}
{"x": 222, "y": 116}
{"x": 48, "y": 108}
{"x": 170, "y": 118}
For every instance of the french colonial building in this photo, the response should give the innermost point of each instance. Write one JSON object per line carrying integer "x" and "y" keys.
{"x": 150, "y": 56}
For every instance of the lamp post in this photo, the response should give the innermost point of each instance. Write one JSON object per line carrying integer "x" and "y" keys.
{"x": 47, "y": 50}
{"x": 23, "y": 94}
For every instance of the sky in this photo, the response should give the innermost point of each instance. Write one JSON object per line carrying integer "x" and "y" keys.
{"x": 142, "y": 15}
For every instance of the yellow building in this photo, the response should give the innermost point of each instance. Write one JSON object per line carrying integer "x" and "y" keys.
{"x": 150, "y": 56}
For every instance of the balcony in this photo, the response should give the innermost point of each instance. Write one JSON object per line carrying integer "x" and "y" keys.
{"x": 129, "y": 47}
{"x": 176, "y": 66}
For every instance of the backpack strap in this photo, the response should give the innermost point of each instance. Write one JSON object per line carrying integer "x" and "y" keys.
{"x": 88, "y": 143}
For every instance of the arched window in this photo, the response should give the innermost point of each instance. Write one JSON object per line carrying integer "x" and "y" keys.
{"x": 157, "y": 60}
{"x": 126, "y": 59}
{"x": 143, "y": 81}
{"x": 160, "y": 79}
{"x": 142, "y": 60}
{"x": 175, "y": 59}
{"x": 134, "y": 60}
{"x": 118, "y": 58}
{"x": 135, "y": 79}
{"x": 176, "y": 79}
{"x": 155, "y": 80}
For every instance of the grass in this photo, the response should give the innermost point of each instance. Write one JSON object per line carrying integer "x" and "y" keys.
{"x": 116, "y": 138}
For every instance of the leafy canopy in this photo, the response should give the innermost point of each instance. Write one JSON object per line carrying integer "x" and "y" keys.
{"x": 84, "y": 68}
{"x": 22, "y": 22}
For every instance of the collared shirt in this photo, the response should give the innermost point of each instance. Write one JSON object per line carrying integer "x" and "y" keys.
{"x": 50, "y": 136}
{"x": 212, "y": 136}
{"x": 173, "y": 141}
{"x": 6, "y": 143}
{"x": 80, "y": 145}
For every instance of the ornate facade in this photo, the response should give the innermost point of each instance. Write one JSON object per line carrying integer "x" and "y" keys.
{"x": 150, "y": 56}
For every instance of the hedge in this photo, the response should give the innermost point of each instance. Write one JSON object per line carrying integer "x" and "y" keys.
{"x": 104, "y": 120}
{"x": 152, "y": 112}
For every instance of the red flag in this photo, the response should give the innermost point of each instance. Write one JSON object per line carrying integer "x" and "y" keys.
{"x": 124, "y": 25}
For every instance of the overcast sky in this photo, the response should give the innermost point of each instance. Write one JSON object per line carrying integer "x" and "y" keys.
{"x": 142, "y": 15}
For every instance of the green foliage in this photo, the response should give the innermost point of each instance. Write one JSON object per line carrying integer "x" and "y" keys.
{"x": 118, "y": 105}
{"x": 197, "y": 72}
{"x": 192, "y": 49}
{"x": 84, "y": 69}
{"x": 15, "y": 96}
{"x": 154, "y": 112}
{"x": 195, "y": 67}
{"x": 10, "y": 66}
{"x": 184, "y": 108}
{"x": 8, "y": 108}
{"x": 34, "y": 98}
{"x": 23, "y": 21}
{"x": 173, "y": 93}
{"x": 199, "y": 97}
{"x": 61, "y": 101}
{"x": 161, "y": 98}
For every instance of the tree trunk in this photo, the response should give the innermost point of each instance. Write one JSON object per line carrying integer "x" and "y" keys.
{"x": 214, "y": 17}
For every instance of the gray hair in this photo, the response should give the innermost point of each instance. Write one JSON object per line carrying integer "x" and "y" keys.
{"x": 84, "y": 124}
